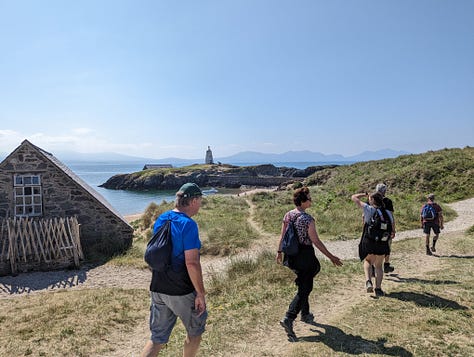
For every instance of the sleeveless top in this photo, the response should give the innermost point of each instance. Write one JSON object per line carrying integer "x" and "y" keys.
{"x": 301, "y": 221}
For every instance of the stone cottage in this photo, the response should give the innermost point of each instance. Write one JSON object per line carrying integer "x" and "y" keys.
{"x": 34, "y": 183}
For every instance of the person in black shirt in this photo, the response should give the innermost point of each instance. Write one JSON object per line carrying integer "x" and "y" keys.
{"x": 435, "y": 223}
{"x": 382, "y": 188}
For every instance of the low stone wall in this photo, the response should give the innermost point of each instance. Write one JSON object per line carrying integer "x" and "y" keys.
{"x": 237, "y": 181}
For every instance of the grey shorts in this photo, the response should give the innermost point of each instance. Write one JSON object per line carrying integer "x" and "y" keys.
{"x": 164, "y": 311}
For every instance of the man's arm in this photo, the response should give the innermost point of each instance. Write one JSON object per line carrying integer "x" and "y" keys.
{"x": 193, "y": 264}
{"x": 392, "y": 217}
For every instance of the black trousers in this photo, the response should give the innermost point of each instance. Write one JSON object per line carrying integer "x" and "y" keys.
{"x": 306, "y": 266}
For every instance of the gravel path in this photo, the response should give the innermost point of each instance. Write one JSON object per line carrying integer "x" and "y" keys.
{"x": 129, "y": 278}
{"x": 464, "y": 220}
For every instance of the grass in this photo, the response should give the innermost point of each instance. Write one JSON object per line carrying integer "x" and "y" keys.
{"x": 223, "y": 226}
{"x": 69, "y": 323}
{"x": 427, "y": 312}
{"x": 424, "y": 314}
{"x": 223, "y": 220}
{"x": 337, "y": 217}
{"x": 448, "y": 173}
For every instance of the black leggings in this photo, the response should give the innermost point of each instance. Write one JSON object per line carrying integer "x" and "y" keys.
{"x": 306, "y": 266}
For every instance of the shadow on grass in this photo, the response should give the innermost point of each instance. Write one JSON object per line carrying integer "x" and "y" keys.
{"x": 426, "y": 300}
{"x": 398, "y": 279}
{"x": 455, "y": 256}
{"x": 339, "y": 341}
{"x": 44, "y": 280}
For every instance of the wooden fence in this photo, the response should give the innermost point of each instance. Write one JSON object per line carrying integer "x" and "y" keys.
{"x": 39, "y": 244}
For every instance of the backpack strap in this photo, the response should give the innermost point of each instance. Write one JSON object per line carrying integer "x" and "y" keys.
{"x": 387, "y": 219}
{"x": 292, "y": 220}
{"x": 384, "y": 215}
{"x": 293, "y": 217}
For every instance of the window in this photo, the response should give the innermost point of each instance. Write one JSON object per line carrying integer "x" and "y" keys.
{"x": 28, "y": 197}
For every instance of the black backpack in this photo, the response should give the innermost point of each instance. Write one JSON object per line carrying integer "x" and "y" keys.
{"x": 290, "y": 243}
{"x": 159, "y": 248}
{"x": 379, "y": 226}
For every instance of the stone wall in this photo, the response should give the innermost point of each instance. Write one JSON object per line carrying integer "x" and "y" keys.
{"x": 237, "y": 181}
{"x": 63, "y": 196}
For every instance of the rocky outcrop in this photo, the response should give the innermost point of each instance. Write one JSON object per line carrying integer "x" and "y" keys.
{"x": 227, "y": 176}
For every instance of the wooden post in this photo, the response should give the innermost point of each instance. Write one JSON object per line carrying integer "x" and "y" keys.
{"x": 11, "y": 248}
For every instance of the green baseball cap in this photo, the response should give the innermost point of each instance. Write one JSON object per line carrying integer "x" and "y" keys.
{"x": 190, "y": 189}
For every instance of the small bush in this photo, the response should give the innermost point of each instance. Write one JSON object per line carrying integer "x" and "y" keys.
{"x": 470, "y": 231}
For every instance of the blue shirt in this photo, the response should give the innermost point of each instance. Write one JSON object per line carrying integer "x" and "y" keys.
{"x": 184, "y": 235}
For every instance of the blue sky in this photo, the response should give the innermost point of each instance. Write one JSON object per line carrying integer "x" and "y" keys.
{"x": 168, "y": 78}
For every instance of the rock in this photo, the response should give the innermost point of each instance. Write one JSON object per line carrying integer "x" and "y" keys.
{"x": 227, "y": 176}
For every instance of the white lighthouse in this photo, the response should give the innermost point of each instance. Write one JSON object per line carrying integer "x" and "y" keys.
{"x": 209, "y": 159}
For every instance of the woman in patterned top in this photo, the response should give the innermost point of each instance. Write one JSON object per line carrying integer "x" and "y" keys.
{"x": 305, "y": 264}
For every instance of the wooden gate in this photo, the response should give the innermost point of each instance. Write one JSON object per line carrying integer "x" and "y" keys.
{"x": 39, "y": 244}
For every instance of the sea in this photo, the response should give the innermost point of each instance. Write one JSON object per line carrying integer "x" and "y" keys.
{"x": 133, "y": 202}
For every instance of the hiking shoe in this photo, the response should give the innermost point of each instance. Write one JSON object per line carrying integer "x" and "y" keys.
{"x": 387, "y": 268}
{"x": 428, "y": 251}
{"x": 369, "y": 286}
{"x": 287, "y": 324}
{"x": 433, "y": 249}
{"x": 379, "y": 292}
{"x": 308, "y": 318}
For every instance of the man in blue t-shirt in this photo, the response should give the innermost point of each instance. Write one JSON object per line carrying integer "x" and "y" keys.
{"x": 179, "y": 291}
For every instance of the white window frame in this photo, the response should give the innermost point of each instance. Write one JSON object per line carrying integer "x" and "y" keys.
{"x": 28, "y": 195}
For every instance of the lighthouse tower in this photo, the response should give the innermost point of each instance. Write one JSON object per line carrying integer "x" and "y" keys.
{"x": 209, "y": 159}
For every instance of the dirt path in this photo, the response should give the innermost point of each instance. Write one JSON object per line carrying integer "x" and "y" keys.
{"x": 272, "y": 342}
{"x": 329, "y": 309}
{"x": 266, "y": 240}
{"x": 129, "y": 278}
{"x": 344, "y": 249}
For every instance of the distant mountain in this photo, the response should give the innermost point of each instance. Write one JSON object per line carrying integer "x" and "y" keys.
{"x": 289, "y": 156}
{"x": 308, "y": 156}
{"x": 72, "y": 156}
{"x": 245, "y": 157}
{"x": 377, "y": 155}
